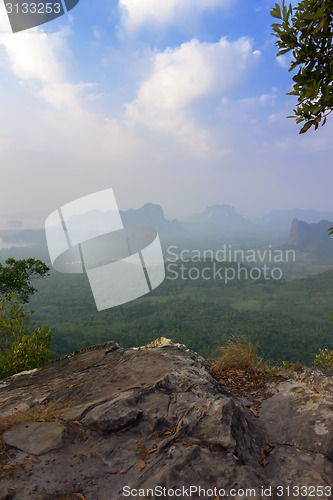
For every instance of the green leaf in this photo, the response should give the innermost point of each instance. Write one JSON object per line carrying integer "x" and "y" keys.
{"x": 307, "y": 31}
{"x": 276, "y": 11}
{"x": 276, "y": 26}
{"x": 286, "y": 12}
{"x": 283, "y": 51}
{"x": 306, "y": 127}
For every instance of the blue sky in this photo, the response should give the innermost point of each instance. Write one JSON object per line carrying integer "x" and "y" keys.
{"x": 180, "y": 102}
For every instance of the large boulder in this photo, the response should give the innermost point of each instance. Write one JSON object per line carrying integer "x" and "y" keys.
{"x": 111, "y": 423}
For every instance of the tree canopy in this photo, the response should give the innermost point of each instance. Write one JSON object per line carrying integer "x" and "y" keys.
{"x": 306, "y": 30}
{"x": 22, "y": 345}
{"x": 16, "y": 276}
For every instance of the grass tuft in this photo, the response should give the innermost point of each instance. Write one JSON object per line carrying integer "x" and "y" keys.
{"x": 240, "y": 353}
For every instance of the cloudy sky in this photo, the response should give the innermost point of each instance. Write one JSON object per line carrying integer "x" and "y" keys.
{"x": 176, "y": 102}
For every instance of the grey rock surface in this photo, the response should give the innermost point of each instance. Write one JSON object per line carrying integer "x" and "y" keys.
{"x": 35, "y": 438}
{"x": 123, "y": 422}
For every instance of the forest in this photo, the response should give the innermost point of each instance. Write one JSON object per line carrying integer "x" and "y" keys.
{"x": 290, "y": 320}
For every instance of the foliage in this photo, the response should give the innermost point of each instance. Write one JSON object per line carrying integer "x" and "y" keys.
{"x": 306, "y": 30}
{"x": 16, "y": 276}
{"x": 22, "y": 346}
{"x": 239, "y": 353}
{"x": 324, "y": 359}
{"x": 288, "y": 319}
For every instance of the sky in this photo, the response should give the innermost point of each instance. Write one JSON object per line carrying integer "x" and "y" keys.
{"x": 181, "y": 103}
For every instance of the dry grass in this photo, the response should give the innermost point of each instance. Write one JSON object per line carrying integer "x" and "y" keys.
{"x": 3, "y": 451}
{"x": 241, "y": 370}
{"x": 240, "y": 353}
{"x": 49, "y": 412}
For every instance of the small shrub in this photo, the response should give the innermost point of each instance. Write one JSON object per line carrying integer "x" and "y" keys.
{"x": 22, "y": 345}
{"x": 27, "y": 352}
{"x": 324, "y": 359}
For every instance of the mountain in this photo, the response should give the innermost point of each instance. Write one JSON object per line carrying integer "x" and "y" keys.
{"x": 303, "y": 234}
{"x": 108, "y": 423}
{"x": 23, "y": 237}
{"x": 312, "y": 237}
{"x": 215, "y": 224}
{"x": 217, "y": 219}
{"x": 23, "y": 243}
{"x": 224, "y": 214}
{"x": 26, "y": 220}
{"x": 151, "y": 215}
{"x": 281, "y": 219}
{"x": 34, "y": 239}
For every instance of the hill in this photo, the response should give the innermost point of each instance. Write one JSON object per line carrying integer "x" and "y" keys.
{"x": 312, "y": 238}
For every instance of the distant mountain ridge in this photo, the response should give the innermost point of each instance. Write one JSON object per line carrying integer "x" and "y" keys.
{"x": 151, "y": 215}
{"x": 283, "y": 218}
{"x": 216, "y": 222}
{"x": 219, "y": 217}
{"x": 216, "y": 211}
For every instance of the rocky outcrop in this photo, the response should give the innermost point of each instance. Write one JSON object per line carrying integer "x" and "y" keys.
{"x": 303, "y": 234}
{"x": 112, "y": 423}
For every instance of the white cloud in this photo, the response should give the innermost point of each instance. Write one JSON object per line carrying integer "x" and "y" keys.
{"x": 37, "y": 59}
{"x": 183, "y": 76}
{"x": 136, "y": 13}
{"x": 32, "y": 55}
{"x": 191, "y": 132}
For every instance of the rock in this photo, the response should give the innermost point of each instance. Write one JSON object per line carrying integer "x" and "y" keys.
{"x": 304, "y": 405}
{"x": 36, "y": 438}
{"x": 131, "y": 420}
{"x": 312, "y": 239}
{"x": 114, "y": 415}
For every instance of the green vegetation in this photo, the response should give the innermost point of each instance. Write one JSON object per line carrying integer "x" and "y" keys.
{"x": 16, "y": 276}
{"x": 22, "y": 345}
{"x": 324, "y": 359}
{"x": 307, "y": 31}
{"x": 290, "y": 320}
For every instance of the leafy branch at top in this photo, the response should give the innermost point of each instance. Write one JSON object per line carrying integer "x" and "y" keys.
{"x": 307, "y": 31}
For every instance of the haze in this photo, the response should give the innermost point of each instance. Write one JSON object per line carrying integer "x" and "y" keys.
{"x": 183, "y": 106}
